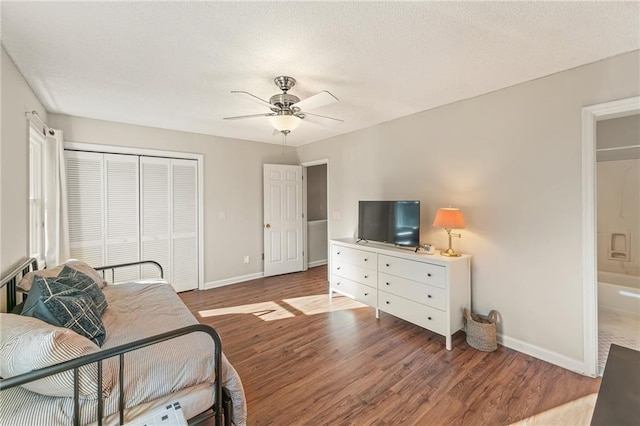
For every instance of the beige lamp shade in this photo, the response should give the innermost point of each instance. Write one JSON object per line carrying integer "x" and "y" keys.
{"x": 284, "y": 123}
{"x": 449, "y": 218}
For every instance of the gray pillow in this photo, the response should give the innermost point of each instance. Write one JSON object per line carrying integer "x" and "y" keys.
{"x": 64, "y": 306}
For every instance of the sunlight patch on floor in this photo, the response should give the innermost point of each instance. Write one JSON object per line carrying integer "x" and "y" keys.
{"x": 321, "y": 303}
{"x": 270, "y": 311}
{"x": 267, "y": 311}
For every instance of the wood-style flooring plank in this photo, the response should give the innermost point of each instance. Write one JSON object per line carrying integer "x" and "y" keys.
{"x": 306, "y": 359}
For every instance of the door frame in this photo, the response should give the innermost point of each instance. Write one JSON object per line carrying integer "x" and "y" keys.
{"x": 590, "y": 116}
{"x": 304, "y": 165}
{"x": 112, "y": 149}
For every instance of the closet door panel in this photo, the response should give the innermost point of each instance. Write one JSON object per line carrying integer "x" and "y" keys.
{"x": 122, "y": 214}
{"x": 85, "y": 201}
{"x": 155, "y": 215}
{"x": 184, "y": 226}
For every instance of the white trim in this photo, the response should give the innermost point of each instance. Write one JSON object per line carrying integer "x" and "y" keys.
{"x": 591, "y": 115}
{"x": 541, "y": 353}
{"x": 233, "y": 280}
{"x": 113, "y": 149}
{"x": 317, "y": 263}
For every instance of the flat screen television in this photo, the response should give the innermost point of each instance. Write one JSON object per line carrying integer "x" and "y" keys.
{"x": 393, "y": 222}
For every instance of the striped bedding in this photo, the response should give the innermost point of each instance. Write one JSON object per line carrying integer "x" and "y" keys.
{"x": 151, "y": 374}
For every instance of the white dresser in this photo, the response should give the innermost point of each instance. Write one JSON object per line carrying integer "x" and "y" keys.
{"x": 428, "y": 290}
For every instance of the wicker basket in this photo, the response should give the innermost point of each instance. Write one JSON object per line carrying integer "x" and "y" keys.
{"x": 481, "y": 330}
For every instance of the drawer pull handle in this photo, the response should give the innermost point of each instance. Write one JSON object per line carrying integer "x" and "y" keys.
{"x": 388, "y": 302}
{"x": 366, "y": 294}
{"x": 337, "y": 267}
{"x": 429, "y": 274}
{"x": 337, "y": 283}
{"x": 429, "y": 296}
{"x": 387, "y": 264}
{"x": 366, "y": 276}
{"x": 366, "y": 258}
{"x": 387, "y": 283}
{"x": 429, "y": 318}
{"x": 338, "y": 253}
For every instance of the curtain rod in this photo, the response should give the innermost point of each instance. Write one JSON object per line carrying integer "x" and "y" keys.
{"x": 37, "y": 116}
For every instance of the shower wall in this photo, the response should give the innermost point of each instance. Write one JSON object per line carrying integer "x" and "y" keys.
{"x": 618, "y": 195}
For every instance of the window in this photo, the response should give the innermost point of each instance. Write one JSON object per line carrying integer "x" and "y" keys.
{"x": 36, "y": 194}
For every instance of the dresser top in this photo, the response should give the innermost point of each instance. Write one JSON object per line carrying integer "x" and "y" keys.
{"x": 404, "y": 252}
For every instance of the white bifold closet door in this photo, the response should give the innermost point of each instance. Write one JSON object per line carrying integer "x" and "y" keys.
{"x": 103, "y": 210}
{"x": 125, "y": 208}
{"x": 169, "y": 216}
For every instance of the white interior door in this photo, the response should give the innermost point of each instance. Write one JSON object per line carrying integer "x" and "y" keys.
{"x": 283, "y": 219}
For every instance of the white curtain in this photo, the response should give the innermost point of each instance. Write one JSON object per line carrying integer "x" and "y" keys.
{"x": 55, "y": 200}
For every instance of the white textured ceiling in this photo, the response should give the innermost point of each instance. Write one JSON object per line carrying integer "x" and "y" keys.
{"x": 173, "y": 64}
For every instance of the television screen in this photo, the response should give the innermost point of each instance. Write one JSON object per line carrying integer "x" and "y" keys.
{"x": 394, "y": 222}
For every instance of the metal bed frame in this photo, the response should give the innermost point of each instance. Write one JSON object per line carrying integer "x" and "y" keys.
{"x": 221, "y": 409}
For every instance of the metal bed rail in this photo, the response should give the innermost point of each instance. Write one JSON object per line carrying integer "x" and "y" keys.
{"x": 112, "y": 268}
{"x": 120, "y": 351}
{"x": 10, "y": 280}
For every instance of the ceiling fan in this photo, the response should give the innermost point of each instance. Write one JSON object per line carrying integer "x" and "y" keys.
{"x": 287, "y": 110}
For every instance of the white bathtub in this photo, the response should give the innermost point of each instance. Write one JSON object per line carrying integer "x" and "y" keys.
{"x": 619, "y": 293}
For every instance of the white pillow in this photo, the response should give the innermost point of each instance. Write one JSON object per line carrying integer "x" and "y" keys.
{"x": 28, "y": 344}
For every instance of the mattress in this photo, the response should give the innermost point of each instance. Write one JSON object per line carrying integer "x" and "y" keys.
{"x": 154, "y": 375}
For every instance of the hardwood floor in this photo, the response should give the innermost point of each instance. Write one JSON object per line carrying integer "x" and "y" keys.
{"x": 306, "y": 360}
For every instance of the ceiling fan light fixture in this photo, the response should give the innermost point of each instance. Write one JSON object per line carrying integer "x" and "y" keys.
{"x": 284, "y": 123}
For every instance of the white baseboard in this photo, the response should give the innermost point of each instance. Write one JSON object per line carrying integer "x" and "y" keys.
{"x": 543, "y": 354}
{"x": 232, "y": 280}
{"x": 317, "y": 263}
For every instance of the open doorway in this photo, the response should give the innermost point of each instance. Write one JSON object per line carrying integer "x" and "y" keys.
{"x": 591, "y": 115}
{"x": 316, "y": 175}
{"x": 618, "y": 231}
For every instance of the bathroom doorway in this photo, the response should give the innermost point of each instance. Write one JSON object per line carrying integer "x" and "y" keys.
{"x": 618, "y": 233}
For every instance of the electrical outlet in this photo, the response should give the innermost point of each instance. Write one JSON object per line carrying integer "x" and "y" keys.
{"x": 246, "y": 259}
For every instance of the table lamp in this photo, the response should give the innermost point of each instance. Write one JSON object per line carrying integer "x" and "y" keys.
{"x": 449, "y": 218}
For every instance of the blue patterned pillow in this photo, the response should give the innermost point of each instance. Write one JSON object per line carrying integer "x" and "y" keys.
{"x": 76, "y": 279}
{"x": 64, "y": 306}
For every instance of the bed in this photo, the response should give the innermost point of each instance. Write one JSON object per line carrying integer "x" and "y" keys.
{"x": 155, "y": 354}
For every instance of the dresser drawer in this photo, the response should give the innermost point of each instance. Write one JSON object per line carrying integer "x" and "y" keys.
{"x": 355, "y": 273}
{"x": 413, "y": 290}
{"x": 416, "y": 313}
{"x": 365, "y": 259}
{"x": 361, "y": 292}
{"x": 427, "y": 273}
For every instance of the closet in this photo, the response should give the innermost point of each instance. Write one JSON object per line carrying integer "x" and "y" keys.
{"x": 124, "y": 208}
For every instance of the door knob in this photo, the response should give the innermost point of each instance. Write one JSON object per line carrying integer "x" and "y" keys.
{"x": 267, "y": 226}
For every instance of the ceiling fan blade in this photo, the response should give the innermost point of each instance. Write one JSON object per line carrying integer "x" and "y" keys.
{"x": 253, "y": 98}
{"x": 322, "y": 120}
{"x": 316, "y": 101}
{"x": 241, "y": 117}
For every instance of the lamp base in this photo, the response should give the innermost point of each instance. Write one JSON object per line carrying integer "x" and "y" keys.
{"x": 450, "y": 253}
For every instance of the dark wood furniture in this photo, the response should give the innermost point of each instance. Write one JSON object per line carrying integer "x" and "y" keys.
{"x": 618, "y": 400}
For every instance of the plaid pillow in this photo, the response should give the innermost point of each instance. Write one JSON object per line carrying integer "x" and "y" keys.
{"x": 64, "y": 306}
{"x": 76, "y": 279}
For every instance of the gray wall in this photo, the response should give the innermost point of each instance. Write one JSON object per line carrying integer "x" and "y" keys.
{"x": 317, "y": 192}
{"x": 511, "y": 160}
{"x": 17, "y": 98}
